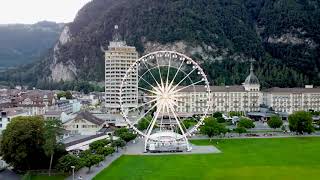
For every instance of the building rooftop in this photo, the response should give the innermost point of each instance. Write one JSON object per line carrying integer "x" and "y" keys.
{"x": 293, "y": 90}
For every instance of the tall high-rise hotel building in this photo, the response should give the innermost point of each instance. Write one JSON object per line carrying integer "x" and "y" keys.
{"x": 118, "y": 58}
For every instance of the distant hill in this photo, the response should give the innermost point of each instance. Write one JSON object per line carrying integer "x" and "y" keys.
{"x": 222, "y": 35}
{"x": 22, "y": 44}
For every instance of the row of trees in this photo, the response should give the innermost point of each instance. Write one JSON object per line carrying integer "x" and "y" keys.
{"x": 97, "y": 151}
{"x": 299, "y": 122}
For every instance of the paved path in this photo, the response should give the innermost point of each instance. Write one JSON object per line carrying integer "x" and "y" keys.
{"x": 96, "y": 169}
{"x": 138, "y": 148}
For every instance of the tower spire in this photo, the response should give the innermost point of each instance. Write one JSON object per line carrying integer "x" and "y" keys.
{"x": 251, "y": 65}
{"x": 116, "y": 35}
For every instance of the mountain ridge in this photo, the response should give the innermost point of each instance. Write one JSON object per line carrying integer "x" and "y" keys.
{"x": 281, "y": 35}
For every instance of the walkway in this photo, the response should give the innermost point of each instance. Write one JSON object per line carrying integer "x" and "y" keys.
{"x": 96, "y": 169}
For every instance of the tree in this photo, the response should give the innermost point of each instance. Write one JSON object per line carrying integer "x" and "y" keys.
{"x": 301, "y": 122}
{"x": 118, "y": 143}
{"x": 52, "y": 130}
{"x": 22, "y": 142}
{"x": 240, "y": 130}
{"x": 91, "y": 159}
{"x": 221, "y": 120}
{"x": 212, "y": 128}
{"x": 97, "y": 144}
{"x": 105, "y": 151}
{"x": 217, "y": 114}
{"x": 246, "y": 123}
{"x": 61, "y": 94}
{"x": 128, "y": 136}
{"x": 275, "y": 122}
{"x": 120, "y": 131}
{"x": 144, "y": 123}
{"x": 68, "y": 95}
{"x": 65, "y": 163}
{"x": 189, "y": 122}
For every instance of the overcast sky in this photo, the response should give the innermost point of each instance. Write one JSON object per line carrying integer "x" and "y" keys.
{"x": 32, "y": 11}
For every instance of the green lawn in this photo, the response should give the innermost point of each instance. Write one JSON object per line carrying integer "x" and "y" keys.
{"x": 256, "y": 159}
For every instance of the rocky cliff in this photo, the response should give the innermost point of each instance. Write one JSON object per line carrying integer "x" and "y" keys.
{"x": 282, "y": 35}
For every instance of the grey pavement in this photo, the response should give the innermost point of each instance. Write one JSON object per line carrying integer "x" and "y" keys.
{"x": 96, "y": 169}
{"x": 138, "y": 149}
{"x": 9, "y": 175}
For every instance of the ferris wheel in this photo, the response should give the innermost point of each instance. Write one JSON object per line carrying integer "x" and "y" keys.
{"x": 161, "y": 88}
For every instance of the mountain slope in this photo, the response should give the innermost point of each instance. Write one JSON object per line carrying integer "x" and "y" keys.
{"x": 22, "y": 44}
{"x": 223, "y": 35}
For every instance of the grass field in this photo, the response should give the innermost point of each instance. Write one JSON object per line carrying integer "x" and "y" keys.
{"x": 254, "y": 159}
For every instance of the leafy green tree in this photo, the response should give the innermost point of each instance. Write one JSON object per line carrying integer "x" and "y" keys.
{"x": 100, "y": 143}
{"x": 246, "y": 123}
{"x": 22, "y": 142}
{"x": 212, "y": 128}
{"x": 240, "y": 130}
{"x": 61, "y": 94}
{"x": 52, "y": 131}
{"x": 189, "y": 122}
{"x": 68, "y": 95}
{"x": 118, "y": 143}
{"x": 65, "y": 163}
{"x": 105, "y": 151}
{"x": 217, "y": 114}
{"x": 144, "y": 123}
{"x": 91, "y": 159}
{"x": 120, "y": 131}
{"x": 221, "y": 120}
{"x": 128, "y": 136}
{"x": 275, "y": 122}
{"x": 301, "y": 122}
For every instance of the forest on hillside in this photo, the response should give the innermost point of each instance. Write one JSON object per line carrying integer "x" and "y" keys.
{"x": 281, "y": 35}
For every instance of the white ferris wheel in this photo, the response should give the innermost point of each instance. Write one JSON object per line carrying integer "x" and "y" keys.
{"x": 162, "y": 86}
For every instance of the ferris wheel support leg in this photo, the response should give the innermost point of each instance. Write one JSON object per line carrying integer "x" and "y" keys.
{"x": 151, "y": 127}
{"x": 181, "y": 129}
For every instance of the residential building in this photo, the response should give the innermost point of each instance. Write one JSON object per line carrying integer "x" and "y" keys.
{"x": 84, "y": 124}
{"x": 118, "y": 58}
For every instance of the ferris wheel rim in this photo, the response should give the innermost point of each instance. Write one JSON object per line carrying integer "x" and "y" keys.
{"x": 187, "y": 132}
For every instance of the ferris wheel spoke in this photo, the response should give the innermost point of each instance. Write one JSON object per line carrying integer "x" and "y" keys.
{"x": 184, "y": 79}
{"x": 168, "y": 72}
{"x": 146, "y": 81}
{"x": 153, "y": 122}
{"x": 154, "y": 100}
{"x": 158, "y": 66}
{"x": 151, "y": 74}
{"x": 185, "y": 87}
{"x": 145, "y": 113}
{"x": 154, "y": 92}
{"x": 177, "y": 119}
{"x": 175, "y": 75}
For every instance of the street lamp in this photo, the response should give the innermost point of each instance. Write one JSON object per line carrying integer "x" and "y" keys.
{"x": 73, "y": 172}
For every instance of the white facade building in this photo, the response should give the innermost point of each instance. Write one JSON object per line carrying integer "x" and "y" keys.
{"x": 293, "y": 99}
{"x": 248, "y": 98}
{"x": 118, "y": 58}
